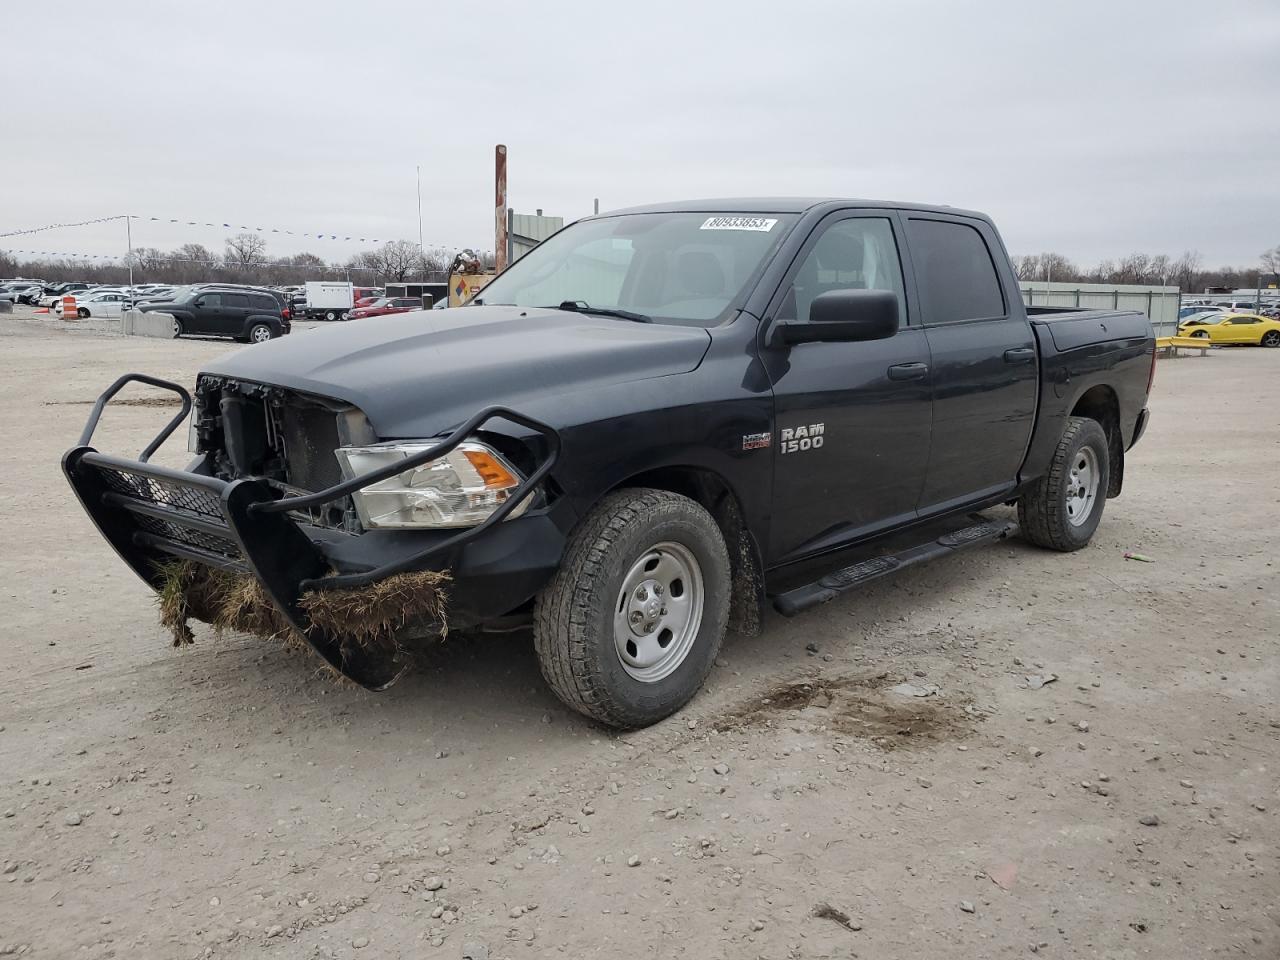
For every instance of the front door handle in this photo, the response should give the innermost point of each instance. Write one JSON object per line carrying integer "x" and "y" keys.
{"x": 908, "y": 371}
{"x": 1019, "y": 355}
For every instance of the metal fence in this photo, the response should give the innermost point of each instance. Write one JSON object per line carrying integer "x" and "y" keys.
{"x": 1160, "y": 304}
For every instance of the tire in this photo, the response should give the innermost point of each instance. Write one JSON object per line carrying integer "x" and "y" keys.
{"x": 1052, "y": 513}
{"x": 260, "y": 333}
{"x": 177, "y": 328}
{"x": 331, "y": 315}
{"x": 603, "y": 600}
{"x": 82, "y": 313}
{"x": 1270, "y": 339}
{"x": 343, "y": 316}
{"x": 1201, "y": 334}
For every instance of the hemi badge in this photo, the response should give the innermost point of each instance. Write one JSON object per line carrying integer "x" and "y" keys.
{"x": 756, "y": 441}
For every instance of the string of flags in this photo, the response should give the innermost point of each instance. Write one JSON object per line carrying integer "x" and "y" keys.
{"x": 304, "y": 234}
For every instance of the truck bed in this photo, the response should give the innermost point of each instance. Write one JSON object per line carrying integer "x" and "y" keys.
{"x": 1070, "y": 328}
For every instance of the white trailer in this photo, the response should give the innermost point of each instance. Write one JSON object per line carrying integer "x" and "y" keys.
{"x": 328, "y": 300}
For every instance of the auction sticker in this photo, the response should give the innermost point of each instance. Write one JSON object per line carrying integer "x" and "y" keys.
{"x": 759, "y": 224}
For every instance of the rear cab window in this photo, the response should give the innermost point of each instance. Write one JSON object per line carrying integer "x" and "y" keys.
{"x": 955, "y": 272}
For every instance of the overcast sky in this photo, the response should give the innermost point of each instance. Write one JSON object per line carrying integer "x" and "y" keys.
{"x": 1090, "y": 128}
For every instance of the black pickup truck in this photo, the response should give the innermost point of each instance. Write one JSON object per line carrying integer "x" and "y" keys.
{"x": 651, "y": 425}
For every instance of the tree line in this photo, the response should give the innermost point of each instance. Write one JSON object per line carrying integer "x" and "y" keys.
{"x": 1187, "y": 272}
{"x": 244, "y": 259}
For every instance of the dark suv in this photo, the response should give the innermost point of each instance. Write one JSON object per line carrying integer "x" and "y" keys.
{"x": 253, "y": 316}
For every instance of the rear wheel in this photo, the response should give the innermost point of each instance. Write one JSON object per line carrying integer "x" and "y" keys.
{"x": 260, "y": 333}
{"x": 1062, "y": 509}
{"x": 330, "y": 315}
{"x": 1271, "y": 338}
{"x": 628, "y": 629}
{"x": 82, "y": 313}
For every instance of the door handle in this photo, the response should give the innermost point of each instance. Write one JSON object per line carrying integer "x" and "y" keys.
{"x": 908, "y": 371}
{"x": 1019, "y": 355}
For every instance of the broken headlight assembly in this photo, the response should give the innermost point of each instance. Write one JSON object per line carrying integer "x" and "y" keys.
{"x": 460, "y": 489}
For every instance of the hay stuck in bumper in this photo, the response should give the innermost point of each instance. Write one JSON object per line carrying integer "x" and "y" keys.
{"x": 376, "y": 616}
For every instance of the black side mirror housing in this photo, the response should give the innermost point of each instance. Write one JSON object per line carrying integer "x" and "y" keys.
{"x": 843, "y": 316}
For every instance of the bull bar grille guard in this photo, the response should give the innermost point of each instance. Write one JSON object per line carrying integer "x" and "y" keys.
{"x": 146, "y": 511}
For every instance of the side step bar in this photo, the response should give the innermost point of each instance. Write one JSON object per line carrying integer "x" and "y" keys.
{"x": 833, "y": 584}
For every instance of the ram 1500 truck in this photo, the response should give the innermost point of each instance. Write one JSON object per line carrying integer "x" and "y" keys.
{"x": 653, "y": 424}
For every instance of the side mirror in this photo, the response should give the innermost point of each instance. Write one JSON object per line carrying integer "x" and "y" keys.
{"x": 843, "y": 316}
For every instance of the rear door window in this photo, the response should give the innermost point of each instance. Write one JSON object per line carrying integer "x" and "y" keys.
{"x": 238, "y": 300}
{"x": 956, "y": 275}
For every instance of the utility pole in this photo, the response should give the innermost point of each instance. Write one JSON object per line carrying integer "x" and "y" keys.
{"x": 500, "y": 208}
{"x": 128, "y": 233}
{"x": 419, "y": 168}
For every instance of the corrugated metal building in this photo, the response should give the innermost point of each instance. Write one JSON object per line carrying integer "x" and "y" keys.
{"x": 1160, "y": 304}
{"x": 525, "y": 231}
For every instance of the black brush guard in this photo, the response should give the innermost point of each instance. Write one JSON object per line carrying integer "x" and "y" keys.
{"x": 150, "y": 514}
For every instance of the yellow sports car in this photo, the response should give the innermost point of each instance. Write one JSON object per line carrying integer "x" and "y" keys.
{"x": 1232, "y": 328}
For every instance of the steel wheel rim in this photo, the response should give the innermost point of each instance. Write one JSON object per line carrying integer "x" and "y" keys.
{"x": 658, "y": 612}
{"x": 1082, "y": 486}
{"x": 261, "y": 334}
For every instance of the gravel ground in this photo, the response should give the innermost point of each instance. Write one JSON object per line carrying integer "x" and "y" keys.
{"x": 227, "y": 800}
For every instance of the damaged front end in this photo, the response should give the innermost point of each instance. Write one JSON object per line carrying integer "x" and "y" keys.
{"x": 271, "y": 531}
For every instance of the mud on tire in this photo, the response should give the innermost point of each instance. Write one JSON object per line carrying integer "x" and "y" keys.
{"x": 576, "y": 615}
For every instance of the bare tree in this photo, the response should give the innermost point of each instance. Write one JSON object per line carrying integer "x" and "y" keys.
{"x": 397, "y": 260}
{"x": 245, "y": 250}
{"x": 1186, "y": 271}
{"x": 1271, "y": 261}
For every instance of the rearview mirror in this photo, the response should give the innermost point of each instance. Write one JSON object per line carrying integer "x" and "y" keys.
{"x": 843, "y": 316}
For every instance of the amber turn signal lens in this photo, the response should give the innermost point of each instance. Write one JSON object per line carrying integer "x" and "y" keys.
{"x": 493, "y": 473}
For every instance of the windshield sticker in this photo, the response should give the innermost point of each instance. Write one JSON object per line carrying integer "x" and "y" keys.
{"x": 759, "y": 224}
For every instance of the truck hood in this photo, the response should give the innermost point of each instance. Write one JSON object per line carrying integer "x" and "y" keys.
{"x": 421, "y": 373}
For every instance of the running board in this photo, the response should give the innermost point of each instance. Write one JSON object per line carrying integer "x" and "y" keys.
{"x": 833, "y": 584}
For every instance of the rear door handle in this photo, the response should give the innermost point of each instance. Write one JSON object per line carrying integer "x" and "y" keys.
{"x": 908, "y": 371}
{"x": 1019, "y": 355}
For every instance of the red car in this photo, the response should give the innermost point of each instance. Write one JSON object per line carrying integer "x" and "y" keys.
{"x": 385, "y": 305}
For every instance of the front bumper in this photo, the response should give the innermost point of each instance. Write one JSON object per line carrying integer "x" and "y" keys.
{"x": 151, "y": 514}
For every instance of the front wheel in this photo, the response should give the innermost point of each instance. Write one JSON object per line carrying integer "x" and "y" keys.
{"x": 1271, "y": 338}
{"x": 629, "y": 627}
{"x": 1200, "y": 334}
{"x": 82, "y": 313}
{"x": 177, "y": 328}
{"x": 260, "y": 333}
{"x": 1061, "y": 510}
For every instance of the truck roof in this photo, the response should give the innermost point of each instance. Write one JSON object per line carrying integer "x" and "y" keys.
{"x": 785, "y": 205}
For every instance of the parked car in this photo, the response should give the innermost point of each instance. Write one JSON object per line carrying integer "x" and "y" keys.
{"x": 247, "y": 315}
{"x": 1195, "y": 309}
{"x": 385, "y": 305}
{"x": 110, "y": 304}
{"x": 1224, "y": 328}
{"x": 21, "y": 292}
{"x": 775, "y": 400}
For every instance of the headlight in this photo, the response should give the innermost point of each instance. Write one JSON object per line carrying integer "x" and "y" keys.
{"x": 461, "y": 489}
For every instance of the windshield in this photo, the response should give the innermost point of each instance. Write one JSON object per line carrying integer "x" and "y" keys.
{"x": 674, "y": 267}
{"x": 1206, "y": 318}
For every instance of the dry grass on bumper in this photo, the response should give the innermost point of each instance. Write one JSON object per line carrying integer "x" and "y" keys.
{"x": 371, "y": 617}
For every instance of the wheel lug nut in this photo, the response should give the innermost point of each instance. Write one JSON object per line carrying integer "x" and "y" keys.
{"x": 663, "y": 612}
{"x": 636, "y": 616}
{"x": 641, "y": 594}
{"x": 657, "y": 589}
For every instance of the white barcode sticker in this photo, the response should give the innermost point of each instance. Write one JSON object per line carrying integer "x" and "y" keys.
{"x": 760, "y": 224}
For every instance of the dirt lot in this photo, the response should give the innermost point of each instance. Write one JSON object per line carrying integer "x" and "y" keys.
{"x": 227, "y": 801}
